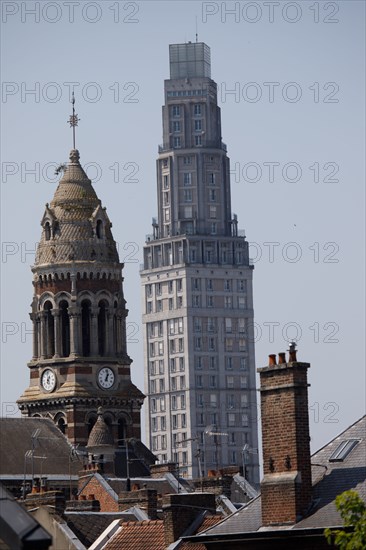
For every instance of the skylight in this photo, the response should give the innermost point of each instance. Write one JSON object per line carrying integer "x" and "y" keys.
{"x": 343, "y": 450}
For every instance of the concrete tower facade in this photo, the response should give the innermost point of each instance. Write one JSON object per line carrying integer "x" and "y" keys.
{"x": 197, "y": 288}
{"x": 80, "y": 359}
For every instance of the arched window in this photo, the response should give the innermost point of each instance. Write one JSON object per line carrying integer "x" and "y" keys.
{"x": 61, "y": 424}
{"x": 85, "y": 327}
{"x": 47, "y": 231}
{"x": 121, "y": 432}
{"x": 99, "y": 229}
{"x": 65, "y": 328}
{"x": 102, "y": 327}
{"x": 92, "y": 420}
{"x": 50, "y": 330}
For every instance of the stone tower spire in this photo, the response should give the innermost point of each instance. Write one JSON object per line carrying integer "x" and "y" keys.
{"x": 80, "y": 358}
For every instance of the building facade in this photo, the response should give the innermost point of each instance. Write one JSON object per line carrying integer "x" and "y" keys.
{"x": 197, "y": 288}
{"x": 80, "y": 360}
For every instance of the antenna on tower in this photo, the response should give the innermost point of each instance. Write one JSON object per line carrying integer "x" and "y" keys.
{"x": 196, "y": 29}
{"x": 73, "y": 120}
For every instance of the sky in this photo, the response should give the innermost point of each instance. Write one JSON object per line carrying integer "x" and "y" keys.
{"x": 291, "y": 89}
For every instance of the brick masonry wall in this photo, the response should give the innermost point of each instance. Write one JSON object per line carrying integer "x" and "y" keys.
{"x": 107, "y": 502}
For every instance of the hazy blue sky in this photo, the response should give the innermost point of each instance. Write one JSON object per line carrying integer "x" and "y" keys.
{"x": 294, "y": 126}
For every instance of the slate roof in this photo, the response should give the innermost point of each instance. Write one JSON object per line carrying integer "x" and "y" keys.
{"x": 88, "y": 526}
{"x": 139, "y": 535}
{"x": 16, "y": 440}
{"x": 100, "y": 435}
{"x": 329, "y": 480}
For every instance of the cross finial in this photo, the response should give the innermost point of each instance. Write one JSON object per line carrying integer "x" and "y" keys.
{"x": 73, "y": 120}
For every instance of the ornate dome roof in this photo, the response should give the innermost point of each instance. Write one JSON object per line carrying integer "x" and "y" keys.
{"x": 75, "y": 226}
{"x": 100, "y": 436}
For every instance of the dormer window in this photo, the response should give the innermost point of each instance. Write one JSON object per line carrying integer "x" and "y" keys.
{"x": 47, "y": 231}
{"x": 99, "y": 229}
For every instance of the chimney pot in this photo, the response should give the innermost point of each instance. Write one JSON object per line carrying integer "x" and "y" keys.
{"x": 281, "y": 358}
{"x": 271, "y": 359}
{"x": 292, "y": 352}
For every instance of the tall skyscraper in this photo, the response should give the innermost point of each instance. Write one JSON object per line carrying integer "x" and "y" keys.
{"x": 197, "y": 288}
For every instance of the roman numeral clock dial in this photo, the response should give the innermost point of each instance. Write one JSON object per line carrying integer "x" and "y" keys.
{"x": 106, "y": 378}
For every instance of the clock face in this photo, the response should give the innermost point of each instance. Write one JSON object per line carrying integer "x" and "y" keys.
{"x": 48, "y": 380}
{"x": 106, "y": 378}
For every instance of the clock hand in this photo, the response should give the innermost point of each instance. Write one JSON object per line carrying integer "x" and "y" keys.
{"x": 106, "y": 377}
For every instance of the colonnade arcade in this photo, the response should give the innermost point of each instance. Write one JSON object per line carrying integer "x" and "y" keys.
{"x": 94, "y": 325}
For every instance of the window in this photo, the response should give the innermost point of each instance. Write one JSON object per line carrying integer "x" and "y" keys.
{"x": 180, "y": 325}
{"x": 209, "y": 285}
{"x": 187, "y": 160}
{"x": 232, "y": 440}
{"x": 231, "y": 420}
{"x": 198, "y": 362}
{"x": 198, "y": 125}
{"x": 184, "y": 420}
{"x": 152, "y": 368}
{"x": 243, "y": 363}
{"x": 243, "y": 400}
{"x": 172, "y": 346}
{"x": 196, "y": 284}
{"x": 193, "y": 255}
{"x": 181, "y": 364}
{"x": 244, "y": 420}
{"x": 241, "y": 285}
{"x": 243, "y": 382}
{"x": 229, "y": 381}
{"x": 170, "y": 304}
{"x": 175, "y": 421}
{"x": 163, "y": 423}
{"x": 200, "y": 419}
{"x": 343, "y": 450}
{"x": 199, "y": 399}
{"x": 187, "y": 195}
{"x": 211, "y": 178}
{"x": 229, "y": 363}
{"x": 148, "y": 291}
{"x": 177, "y": 142}
{"x": 155, "y": 443}
{"x": 149, "y": 307}
{"x": 212, "y": 363}
{"x": 213, "y": 381}
{"x": 153, "y": 405}
{"x": 229, "y": 344}
{"x": 161, "y": 348}
{"x": 159, "y": 305}
{"x": 212, "y": 195}
{"x": 211, "y": 344}
{"x": 213, "y": 400}
{"x": 152, "y": 349}
{"x": 165, "y": 182}
{"x": 182, "y": 402}
{"x": 188, "y": 212}
{"x": 176, "y": 110}
{"x": 213, "y": 212}
{"x": 187, "y": 178}
{"x": 196, "y": 301}
{"x": 227, "y": 285}
{"x": 179, "y": 285}
{"x": 228, "y": 324}
{"x": 172, "y": 364}
{"x": 180, "y": 345}
{"x": 152, "y": 386}
{"x": 228, "y": 302}
{"x": 161, "y": 366}
{"x": 174, "y": 402}
{"x": 199, "y": 382}
{"x": 162, "y": 404}
{"x": 232, "y": 457}
{"x": 182, "y": 382}
{"x": 161, "y": 385}
{"x": 213, "y": 228}
{"x": 173, "y": 383}
{"x": 210, "y": 324}
{"x": 176, "y": 126}
{"x": 197, "y": 324}
{"x": 198, "y": 140}
{"x": 170, "y": 287}
{"x": 230, "y": 401}
{"x": 210, "y": 301}
{"x": 171, "y": 326}
{"x": 163, "y": 442}
{"x": 166, "y": 200}
{"x": 154, "y": 424}
{"x": 179, "y": 302}
{"x": 198, "y": 343}
{"x": 241, "y": 326}
{"x": 242, "y": 344}
{"x": 241, "y": 302}
{"x": 197, "y": 109}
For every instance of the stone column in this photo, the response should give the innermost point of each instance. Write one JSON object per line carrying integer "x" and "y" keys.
{"x": 119, "y": 334}
{"x": 33, "y": 316}
{"x": 110, "y": 333}
{"x": 43, "y": 317}
{"x": 57, "y": 327}
{"x": 94, "y": 331}
{"x": 74, "y": 314}
{"x": 107, "y": 334}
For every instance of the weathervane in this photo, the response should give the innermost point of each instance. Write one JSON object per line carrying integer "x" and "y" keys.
{"x": 74, "y": 119}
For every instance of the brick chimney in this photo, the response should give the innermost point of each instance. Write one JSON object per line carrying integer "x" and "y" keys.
{"x": 286, "y": 485}
{"x": 180, "y": 510}
{"x": 147, "y": 499}
{"x": 159, "y": 470}
{"x": 56, "y": 499}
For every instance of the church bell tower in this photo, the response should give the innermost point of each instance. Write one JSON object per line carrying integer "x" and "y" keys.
{"x": 80, "y": 360}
